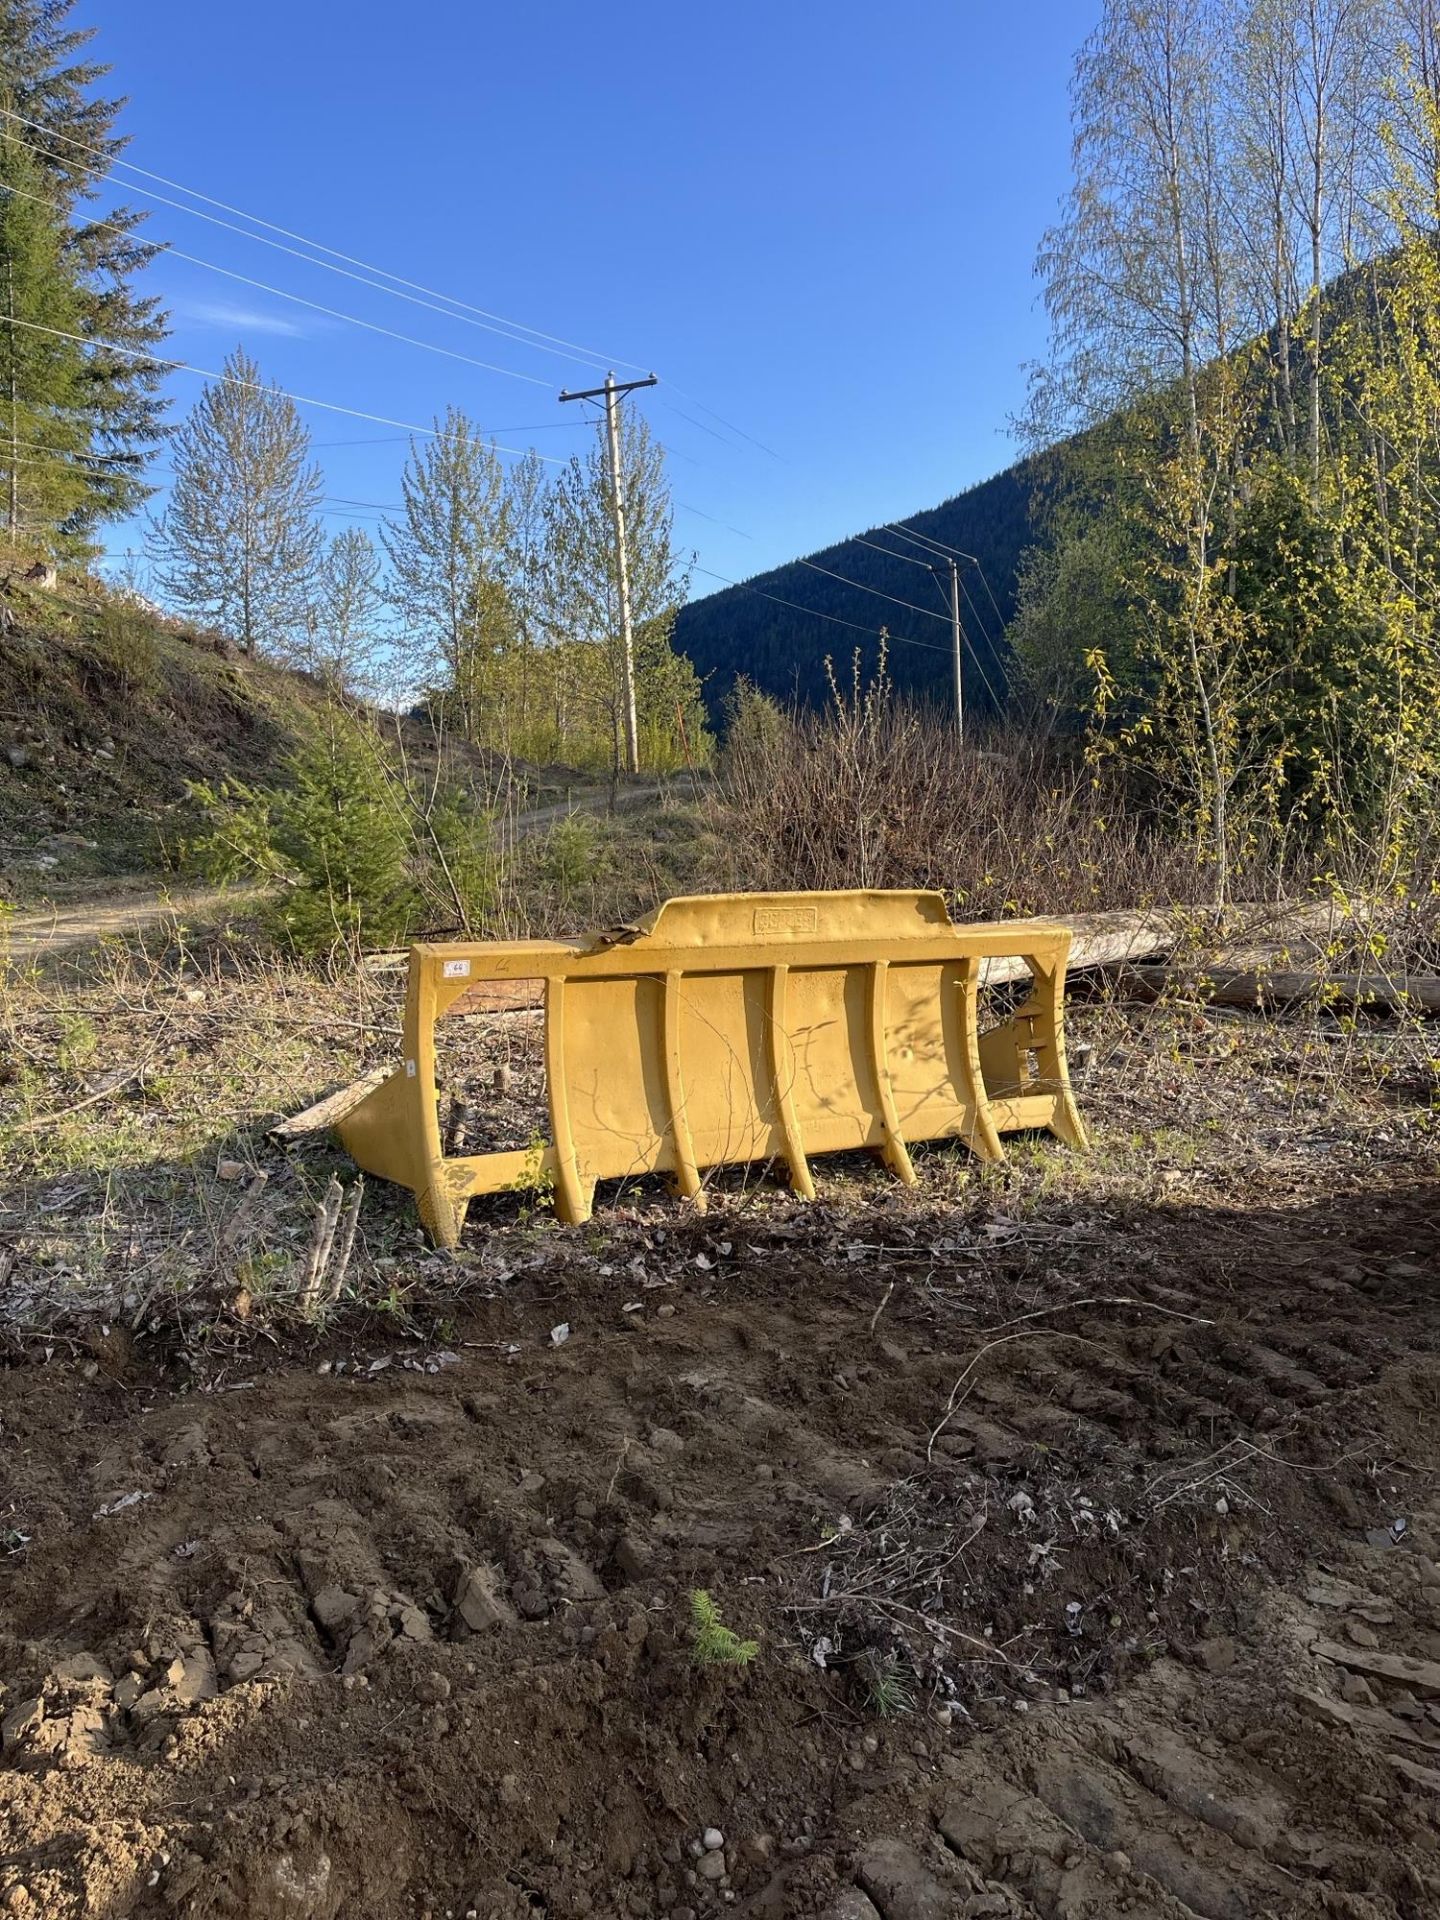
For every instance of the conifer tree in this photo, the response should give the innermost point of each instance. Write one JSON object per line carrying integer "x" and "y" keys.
{"x": 44, "y": 438}
{"x": 67, "y": 132}
{"x": 239, "y": 543}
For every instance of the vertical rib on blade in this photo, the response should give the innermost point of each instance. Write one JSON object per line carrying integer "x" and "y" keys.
{"x": 739, "y": 1028}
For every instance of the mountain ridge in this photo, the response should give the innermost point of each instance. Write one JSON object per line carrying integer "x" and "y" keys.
{"x": 778, "y": 628}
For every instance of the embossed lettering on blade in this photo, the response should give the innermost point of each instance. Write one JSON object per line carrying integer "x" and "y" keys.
{"x": 785, "y": 920}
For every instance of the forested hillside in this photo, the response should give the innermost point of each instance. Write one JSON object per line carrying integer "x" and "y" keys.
{"x": 779, "y": 628}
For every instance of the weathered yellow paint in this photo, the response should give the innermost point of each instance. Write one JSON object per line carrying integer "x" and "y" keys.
{"x": 737, "y": 1028}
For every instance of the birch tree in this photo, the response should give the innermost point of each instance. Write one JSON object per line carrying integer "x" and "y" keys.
{"x": 1125, "y": 270}
{"x": 344, "y": 621}
{"x": 526, "y": 567}
{"x": 448, "y": 560}
{"x": 1245, "y": 317}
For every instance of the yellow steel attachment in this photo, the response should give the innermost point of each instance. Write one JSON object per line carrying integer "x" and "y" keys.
{"x": 737, "y": 1028}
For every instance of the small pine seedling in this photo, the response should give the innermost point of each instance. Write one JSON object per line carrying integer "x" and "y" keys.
{"x": 890, "y": 1689}
{"x": 712, "y": 1643}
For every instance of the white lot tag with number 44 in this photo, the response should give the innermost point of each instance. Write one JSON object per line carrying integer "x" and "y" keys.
{"x": 457, "y": 969}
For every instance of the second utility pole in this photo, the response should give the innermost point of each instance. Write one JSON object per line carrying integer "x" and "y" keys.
{"x": 612, "y": 392}
{"x": 958, "y": 638}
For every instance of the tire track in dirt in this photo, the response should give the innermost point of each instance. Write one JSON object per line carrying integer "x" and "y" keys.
{"x": 389, "y": 1640}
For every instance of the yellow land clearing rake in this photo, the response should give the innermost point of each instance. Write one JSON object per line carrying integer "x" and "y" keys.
{"x": 737, "y": 1028}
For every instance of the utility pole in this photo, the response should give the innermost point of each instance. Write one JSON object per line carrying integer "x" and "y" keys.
{"x": 958, "y": 638}
{"x": 612, "y": 393}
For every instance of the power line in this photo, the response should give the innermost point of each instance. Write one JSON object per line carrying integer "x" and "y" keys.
{"x": 725, "y": 423}
{"x": 910, "y": 604}
{"x": 985, "y": 582}
{"x": 696, "y": 423}
{"x": 381, "y": 440}
{"x": 701, "y": 514}
{"x": 506, "y": 329}
{"x": 24, "y": 460}
{"x": 257, "y": 386}
{"x": 975, "y": 655}
{"x": 58, "y": 457}
{"x": 280, "y": 293}
{"x": 975, "y": 612}
{"x": 974, "y": 650}
{"x": 384, "y": 440}
{"x": 815, "y": 567}
{"x": 724, "y": 441}
{"x": 815, "y": 613}
{"x": 310, "y": 259}
{"x": 399, "y": 439}
{"x": 492, "y": 322}
{"x": 923, "y": 539}
{"x": 352, "y": 319}
{"x": 926, "y": 541}
{"x": 858, "y": 540}
{"x": 935, "y": 582}
{"x": 76, "y": 453}
{"x": 926, "y": 546}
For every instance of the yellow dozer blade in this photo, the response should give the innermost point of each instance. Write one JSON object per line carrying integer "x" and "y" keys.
{"x": 734, "y": 1028}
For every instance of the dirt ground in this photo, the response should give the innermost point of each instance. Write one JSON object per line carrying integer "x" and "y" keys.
{"x": 34, "y": 935}
{"x": 1088, "y": 1532}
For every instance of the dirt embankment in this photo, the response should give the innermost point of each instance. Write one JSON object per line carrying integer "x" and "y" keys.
{"x": 1093, "y": 1566}
{"x": 110, "y": 711}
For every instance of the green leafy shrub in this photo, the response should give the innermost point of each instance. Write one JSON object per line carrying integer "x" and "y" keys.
{"x": 79, "y": 1041}
{"x": 757, "y": 729}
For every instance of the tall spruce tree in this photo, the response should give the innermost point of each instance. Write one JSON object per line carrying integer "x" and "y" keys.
{"x": 67, "y": 132}
{"x": 239, "y": 543}
{"x": 44, "y": 438}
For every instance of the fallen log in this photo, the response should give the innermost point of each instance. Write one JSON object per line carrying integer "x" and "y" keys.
{"x": 1097, "y": 940}
{"x": 334, "y": 1107}
{"x": 1272, "y": 989}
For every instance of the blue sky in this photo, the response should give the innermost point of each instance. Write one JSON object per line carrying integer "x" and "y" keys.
{"x": 817, "y": 221}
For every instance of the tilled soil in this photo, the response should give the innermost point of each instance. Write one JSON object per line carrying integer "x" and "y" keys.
{"x": 1092, "y": 1562}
